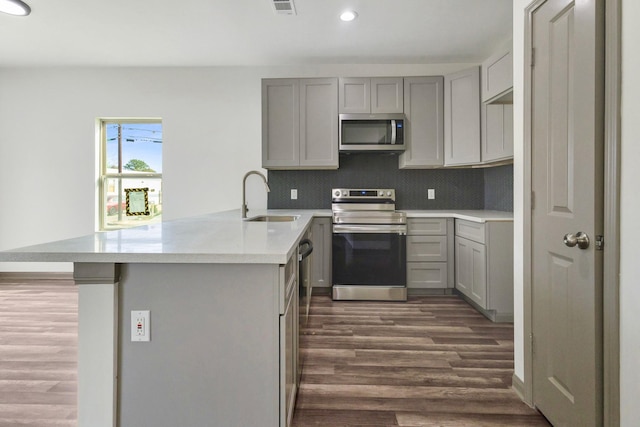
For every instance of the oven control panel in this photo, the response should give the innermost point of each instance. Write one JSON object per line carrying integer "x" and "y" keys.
{"x": 363, "y": 194}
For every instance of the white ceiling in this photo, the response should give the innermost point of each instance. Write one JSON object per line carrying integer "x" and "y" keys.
{"x": 248, "y": 32}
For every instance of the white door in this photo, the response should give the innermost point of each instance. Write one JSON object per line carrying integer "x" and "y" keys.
{"x": 567, "y": 177}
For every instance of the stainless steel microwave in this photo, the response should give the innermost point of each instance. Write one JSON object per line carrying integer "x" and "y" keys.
{"x": 371, "y": 132}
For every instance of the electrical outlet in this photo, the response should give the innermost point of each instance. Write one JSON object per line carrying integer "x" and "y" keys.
{"x": 294, "y": 194}
{"x": 140, "y": 326}
{"x": 431, "y": 193}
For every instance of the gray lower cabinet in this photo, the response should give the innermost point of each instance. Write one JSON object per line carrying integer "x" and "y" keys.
{"x": 429, "y": 253}
{"x": 424, "y": 127}
{"x": 289, "y": 344}
{"x": 321, "y": 235}
{"x": 370, "y": 95}
{"x": 484, "y": 266}
{"x": 300, "y": 123}
{"x": 462, "y": 117}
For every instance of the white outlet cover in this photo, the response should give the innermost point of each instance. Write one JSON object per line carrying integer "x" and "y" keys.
{"x": 431, "y": 193}
{"x": 294, "y": 194}
{"x": 140, "y": 325}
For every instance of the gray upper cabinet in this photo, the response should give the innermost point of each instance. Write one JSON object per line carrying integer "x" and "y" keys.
{"x": 300, "y": 123}
{"x": 280, "y": 123}
{"x": 497, "y": 132}
{"x": 370, "y": 95}
{"x": 497, "y": 77}
{"x": 424, "y": 127}
{"x": 462, "y": 118}
{"x": 319, "y": 123}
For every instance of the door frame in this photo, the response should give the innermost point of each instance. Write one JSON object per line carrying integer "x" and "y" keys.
{"x": 611, "y": 266}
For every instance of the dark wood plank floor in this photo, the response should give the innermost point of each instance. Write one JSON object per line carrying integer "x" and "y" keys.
{"x": 38, "y": 348}
{"x": 432, "y": 361}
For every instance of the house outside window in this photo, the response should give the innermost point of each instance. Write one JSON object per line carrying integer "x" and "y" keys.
{"x": 130, "y": 184}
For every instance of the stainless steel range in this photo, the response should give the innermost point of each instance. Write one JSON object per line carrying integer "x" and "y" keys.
{"x": 369, "y": 245}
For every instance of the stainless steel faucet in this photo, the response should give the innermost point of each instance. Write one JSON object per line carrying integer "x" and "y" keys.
{"x": 244, "y": 190}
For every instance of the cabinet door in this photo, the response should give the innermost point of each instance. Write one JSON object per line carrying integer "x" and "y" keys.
{"x": 321, "y": 255}
{"x": 497, "y": 132}
{"x": 319, "y": 123}
{"x": 387, "y": 95}
{"x": 497, "y": 76}
{"x": 280, "y": 123}
{"x": 424, "y": 127}
{"x": 471, "y": 270}
{"x": 462, "y": 117}
{"x": 354, "y": 95}
{"x": 288, "y": 358}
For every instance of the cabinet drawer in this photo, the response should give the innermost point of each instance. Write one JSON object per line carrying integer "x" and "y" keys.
{"x": 470, "y": 230}
{"x": 427, "y": 226}
{"x": 427, "y": 275}
{"x": 426, "y": 248}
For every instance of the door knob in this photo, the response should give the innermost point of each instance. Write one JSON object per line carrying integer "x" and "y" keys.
{"x": 581, "y": 239}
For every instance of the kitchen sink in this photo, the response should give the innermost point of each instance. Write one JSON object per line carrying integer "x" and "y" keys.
{"x": 273, "y": 218}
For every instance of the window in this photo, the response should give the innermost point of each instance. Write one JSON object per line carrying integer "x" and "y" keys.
{"x": 130, "y": 187}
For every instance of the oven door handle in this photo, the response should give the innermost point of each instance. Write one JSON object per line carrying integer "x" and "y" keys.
{"x": 369, "y": 228}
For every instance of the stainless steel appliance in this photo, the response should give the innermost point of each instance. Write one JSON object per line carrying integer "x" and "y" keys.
{"x": 369, "y": 245}
{"x": 305, "y": 248}
{"x": 371, "y": 132}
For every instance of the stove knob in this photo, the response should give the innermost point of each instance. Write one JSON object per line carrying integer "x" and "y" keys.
{"x": 337, "y": 193}
{"x": 380, "y": 193}
{"x": 344, "y": 194}
{"x": 388, "y": 193}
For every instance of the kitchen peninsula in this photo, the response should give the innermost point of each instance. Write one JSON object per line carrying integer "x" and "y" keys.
{"x": 217, "y": 289}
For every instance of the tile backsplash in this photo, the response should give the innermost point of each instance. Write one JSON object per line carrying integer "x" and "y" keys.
{"x": 490, "y": 188}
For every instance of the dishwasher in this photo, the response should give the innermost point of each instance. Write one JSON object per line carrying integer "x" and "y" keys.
{"x": 305, "y": 248}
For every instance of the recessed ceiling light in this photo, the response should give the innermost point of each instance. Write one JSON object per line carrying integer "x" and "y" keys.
{"x": 348, "y": 15}
{"x": 15, "y": 7}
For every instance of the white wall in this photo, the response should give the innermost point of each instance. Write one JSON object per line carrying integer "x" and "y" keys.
{"x": 630, "y": 206}
{"x": 211, "y": 137}
{"x": 518, "y": 183}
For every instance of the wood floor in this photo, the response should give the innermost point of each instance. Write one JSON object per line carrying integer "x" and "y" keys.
{"x": 432, "y": 361}
{"x": 38, "y": 347}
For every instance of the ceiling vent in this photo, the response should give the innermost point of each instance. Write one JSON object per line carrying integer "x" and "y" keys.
{"x": 284, "y": 7}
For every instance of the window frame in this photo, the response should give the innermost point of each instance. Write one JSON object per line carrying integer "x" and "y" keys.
{"x": 103, "y": 176}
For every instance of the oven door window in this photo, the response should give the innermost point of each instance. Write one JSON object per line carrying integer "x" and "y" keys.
{"x": 374, "y": 259}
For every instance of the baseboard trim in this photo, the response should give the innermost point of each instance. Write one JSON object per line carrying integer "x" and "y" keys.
{"x": 518, "y": 386}
{"x": 20, "y": 276}
{"x": 492, "y": 315}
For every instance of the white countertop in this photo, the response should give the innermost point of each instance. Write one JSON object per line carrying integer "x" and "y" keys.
{"x": 469, "y": 215}
{"x": 213, "y": 238}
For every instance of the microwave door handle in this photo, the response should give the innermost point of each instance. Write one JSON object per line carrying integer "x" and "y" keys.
{"x": 393, "y": 131}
